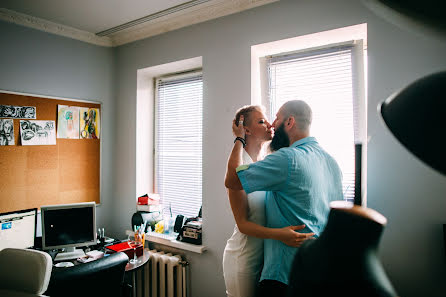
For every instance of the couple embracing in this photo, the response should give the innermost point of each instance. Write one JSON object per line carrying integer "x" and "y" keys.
{"x": 278, "y": 200}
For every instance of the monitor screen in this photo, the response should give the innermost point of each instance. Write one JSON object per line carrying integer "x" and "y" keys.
{"x": 18, "y": 229}
{"x": 68, "y": 225}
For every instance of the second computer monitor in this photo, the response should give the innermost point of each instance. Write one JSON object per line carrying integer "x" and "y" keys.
{"x": 18, "y": 229}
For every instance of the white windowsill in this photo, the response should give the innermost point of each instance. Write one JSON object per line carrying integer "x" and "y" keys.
{"x": 172, "y": 242}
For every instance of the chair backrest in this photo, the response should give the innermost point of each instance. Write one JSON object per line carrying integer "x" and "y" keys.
{"x": 102, "y": 277}
{"x": 24, "y": 272}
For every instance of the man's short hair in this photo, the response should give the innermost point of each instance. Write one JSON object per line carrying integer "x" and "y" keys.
{"x": 301, "y": 112}
{"x": 245, "y": 111}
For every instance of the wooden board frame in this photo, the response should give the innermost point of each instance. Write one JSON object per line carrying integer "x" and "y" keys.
{"x": 32, "y": 176}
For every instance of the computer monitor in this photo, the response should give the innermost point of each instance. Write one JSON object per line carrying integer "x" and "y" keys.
{"x": 68, "y": 226}
{"x": 18, "y": 229}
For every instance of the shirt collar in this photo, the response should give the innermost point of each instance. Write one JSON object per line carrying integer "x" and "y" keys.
{"x": 303, "y": 141}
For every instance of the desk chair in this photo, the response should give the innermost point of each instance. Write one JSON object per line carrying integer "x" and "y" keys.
{"x": 102, "y": 277}
{"x": 24, "y": 272}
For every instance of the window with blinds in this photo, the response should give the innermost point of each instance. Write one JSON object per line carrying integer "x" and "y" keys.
{"x": 178, "y": 143}
{"x": 323, "y": 78}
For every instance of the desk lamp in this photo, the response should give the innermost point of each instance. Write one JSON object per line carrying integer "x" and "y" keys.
{"x": 416, "y": 116}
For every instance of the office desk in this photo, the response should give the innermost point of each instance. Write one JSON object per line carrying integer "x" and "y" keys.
{"x": 137, "y": 268}
{"x": 102, "y": 277}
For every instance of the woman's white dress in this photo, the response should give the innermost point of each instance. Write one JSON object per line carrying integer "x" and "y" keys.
{"x": 243, "y": 255}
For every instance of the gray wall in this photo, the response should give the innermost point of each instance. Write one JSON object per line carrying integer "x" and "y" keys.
{"x": 38, "y": 63}
{"x": 408, "y": 193}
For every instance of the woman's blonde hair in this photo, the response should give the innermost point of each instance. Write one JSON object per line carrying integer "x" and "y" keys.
{"x": 245, "y": 111}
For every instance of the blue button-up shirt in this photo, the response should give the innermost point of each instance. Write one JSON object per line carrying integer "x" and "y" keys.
{"x": 300, "y": 181}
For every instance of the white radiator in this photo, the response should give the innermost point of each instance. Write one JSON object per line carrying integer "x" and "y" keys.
{"x": 164, "y": 276}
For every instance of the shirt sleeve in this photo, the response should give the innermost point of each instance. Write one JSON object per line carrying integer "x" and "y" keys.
{"x": 270, "y": 174}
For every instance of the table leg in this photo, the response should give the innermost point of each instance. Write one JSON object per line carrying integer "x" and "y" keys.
{"x": 134, "y": 283}
{"x": 143, "y": 289}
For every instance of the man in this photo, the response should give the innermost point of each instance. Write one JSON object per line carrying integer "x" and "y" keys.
{"x": 300, "y": 179}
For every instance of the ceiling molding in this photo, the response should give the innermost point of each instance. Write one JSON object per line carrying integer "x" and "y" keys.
{"x": 54, "y": 28}
{"x": 197, "y": 14}
{"x": 205, "y": 11}
{"x": 150, "y": 17}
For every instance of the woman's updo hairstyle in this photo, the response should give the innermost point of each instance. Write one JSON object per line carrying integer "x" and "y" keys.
{"x": 245, "y": 111}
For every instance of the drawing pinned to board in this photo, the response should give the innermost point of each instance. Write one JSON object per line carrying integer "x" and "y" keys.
{"x": 34, "y": 132}
{"x": 6, "y": 132}
{"x": 67, "y": 122}
{"x": 89, "y": 123}
{"x": 17, "y": 112}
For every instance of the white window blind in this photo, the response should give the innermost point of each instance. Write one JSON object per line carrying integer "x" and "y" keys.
{"x": 324, "y": 79}
{"x": 178, "y": 143}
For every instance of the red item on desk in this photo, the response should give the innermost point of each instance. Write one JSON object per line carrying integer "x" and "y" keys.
{"x": 143, "y": 200}
{"x": 126, "y": 248}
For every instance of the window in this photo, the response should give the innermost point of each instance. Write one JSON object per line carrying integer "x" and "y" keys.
{"x": 178, "y": 143}
{"x": 326, "y": 78}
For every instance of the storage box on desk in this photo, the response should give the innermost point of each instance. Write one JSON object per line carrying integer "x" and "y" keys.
{"x": 126, "y": 248}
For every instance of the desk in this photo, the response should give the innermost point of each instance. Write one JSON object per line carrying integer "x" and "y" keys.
{"x": 102, "y": 277}
{"x": 135, "y": 268}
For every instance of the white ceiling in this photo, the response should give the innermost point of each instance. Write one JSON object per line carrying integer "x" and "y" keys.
{"x": 83, "y": 19}
{"x": 90, "y": 15}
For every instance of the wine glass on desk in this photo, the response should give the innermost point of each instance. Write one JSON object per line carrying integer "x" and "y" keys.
{"x": 134, "y": 244}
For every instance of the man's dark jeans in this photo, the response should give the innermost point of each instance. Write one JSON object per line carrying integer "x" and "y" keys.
{"x": 271, "y": 288}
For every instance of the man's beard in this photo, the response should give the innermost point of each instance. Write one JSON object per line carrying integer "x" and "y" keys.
{"x": 280, "y": 139}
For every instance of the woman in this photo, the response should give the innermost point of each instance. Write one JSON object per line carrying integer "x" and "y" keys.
{"x": 243, "y": 254}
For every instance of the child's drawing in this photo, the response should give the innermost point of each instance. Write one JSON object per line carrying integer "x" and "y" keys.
{"x": 89, "y": 123}
{"x": 68, "y": 122}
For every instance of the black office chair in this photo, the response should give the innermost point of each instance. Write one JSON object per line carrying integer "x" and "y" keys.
{"x": 102, "y": 277}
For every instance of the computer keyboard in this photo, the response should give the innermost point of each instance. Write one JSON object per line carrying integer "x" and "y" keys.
{"x": 69, "y": 255}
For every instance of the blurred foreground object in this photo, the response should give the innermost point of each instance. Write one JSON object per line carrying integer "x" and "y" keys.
{"x": 343, "y": 261}
{"x": 424, "y": 17}
{"x": 416, "y": 116}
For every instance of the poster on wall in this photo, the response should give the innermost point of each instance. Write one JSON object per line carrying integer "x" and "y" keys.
{"x": 67, "y": 122}
{"x": 89, "y": 123}
{"x": 17, "y": 112}
{"x": 6, "y": 132}
{"x": 33, "y": 132}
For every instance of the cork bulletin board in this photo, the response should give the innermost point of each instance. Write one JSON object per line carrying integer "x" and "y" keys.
{"x": 36, "y": 175}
